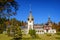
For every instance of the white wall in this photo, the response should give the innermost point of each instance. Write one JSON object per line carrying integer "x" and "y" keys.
{"x": 52, "y": 31}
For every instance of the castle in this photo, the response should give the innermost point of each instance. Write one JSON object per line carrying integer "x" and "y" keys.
{"x": 39, "y": 28}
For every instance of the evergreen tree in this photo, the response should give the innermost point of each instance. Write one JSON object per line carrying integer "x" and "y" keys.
{"x": 32, "y": 33}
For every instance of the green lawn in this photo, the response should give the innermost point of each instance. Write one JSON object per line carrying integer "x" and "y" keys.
{"x": 43, "y": 37}
{"x": 5, "y": 37}
{"x": 39, "y": 37}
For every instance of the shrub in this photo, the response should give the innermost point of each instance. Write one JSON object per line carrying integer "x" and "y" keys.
{"x": 57, "y": 37}
{"x": 48, "y": 34}
{"x": 58, "y": 33}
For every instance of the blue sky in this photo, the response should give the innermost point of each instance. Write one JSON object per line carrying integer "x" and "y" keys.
{"x": 41, "y": 10}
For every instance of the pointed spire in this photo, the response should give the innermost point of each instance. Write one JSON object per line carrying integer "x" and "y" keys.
{"x": 30, "y": 9}
{"x": 49, "y": 20}
{"x": 30, "y": 13}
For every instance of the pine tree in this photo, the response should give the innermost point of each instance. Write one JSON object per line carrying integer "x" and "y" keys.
{"x": 32, "y": 33}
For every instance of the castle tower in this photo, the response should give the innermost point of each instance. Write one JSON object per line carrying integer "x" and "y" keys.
{"x": 49, "y": 21}
{"x": 30, "y": 21}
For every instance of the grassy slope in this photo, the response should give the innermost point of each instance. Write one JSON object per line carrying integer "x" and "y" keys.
{"x": 4, "y": 37}
{"x": 28, "y": 37}
{"x": 42, "y": 37}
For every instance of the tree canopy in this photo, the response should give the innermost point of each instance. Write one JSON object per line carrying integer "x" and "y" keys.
{"x": 8, "y": 8}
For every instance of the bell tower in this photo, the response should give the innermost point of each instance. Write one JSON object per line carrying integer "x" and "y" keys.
{"x": 30, "y": 20}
